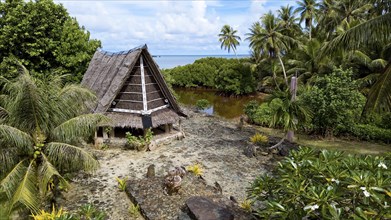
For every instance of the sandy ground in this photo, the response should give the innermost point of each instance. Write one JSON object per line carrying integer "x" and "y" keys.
{"x": 214, "y": 143}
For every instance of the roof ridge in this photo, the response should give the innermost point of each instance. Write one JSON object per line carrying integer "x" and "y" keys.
{"x": 124, "y": 52}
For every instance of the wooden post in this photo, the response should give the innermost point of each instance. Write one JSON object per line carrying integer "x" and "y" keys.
{"x": 112, "y": 133}
{"x": 167, "y": 128}
{"x": 105, "y": 135}
{"x": 293, "y": 90}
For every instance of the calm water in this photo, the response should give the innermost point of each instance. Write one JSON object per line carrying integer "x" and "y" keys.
{"x": 170, "y": 61}
{"x": 226, "y": 107}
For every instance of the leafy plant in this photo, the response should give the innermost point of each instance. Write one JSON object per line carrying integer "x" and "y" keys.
{"x": 196, "y": 169}
{"x": 104, "y": 146}
{"x": 90, "y": 212}
{"x": 139, "y": 143}
{"x": 325, "y": 185}
{"x": 134, "y": 210}
{"x": 121, "y": 183}
{"x": 202, "y": 104}
{"x": 259, "y": 139}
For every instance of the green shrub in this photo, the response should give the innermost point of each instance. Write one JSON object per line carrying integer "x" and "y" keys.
{"x": 235, "y": 78}
{"x": 324, "y": 184}
{"x": 263, "y": 114}
{"x": 139, "y": 143}
{"x": 371, "y": 133}
{"x": 202, "y": 104}
{"x": 250, "y": 109}
{"x": 386, "y": 121}
{"x": 335, "y": 102}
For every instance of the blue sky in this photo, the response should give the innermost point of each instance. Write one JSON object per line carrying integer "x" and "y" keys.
{"x": 179, "y": 27}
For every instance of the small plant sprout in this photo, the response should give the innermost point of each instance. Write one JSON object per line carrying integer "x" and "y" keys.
{"x": 311, "y": 207}
{"x": 246, "y": 205}
{"x": 196, "y": 169}
{"x": 121, "y": 183}
{"x": 134, "y": 210}
{"x": 259, "y": 139}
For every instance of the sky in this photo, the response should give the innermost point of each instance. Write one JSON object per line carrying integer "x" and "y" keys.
{"x": 171, "y": 27}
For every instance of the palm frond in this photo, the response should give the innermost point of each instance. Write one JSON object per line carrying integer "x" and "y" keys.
{"x": 379, "y": 97}
{"x": 27, "y": 192}
{"x": 372, "y": 31}
{"x": 3, "y": 112}
{"x": 10, "y": 136}
{"x": 80, "y": 126}
{"x": 69, "y": 157}
{"x": 378, "y": 64}
{"x": 9, "y": 157}
{"x": 46, "y": 172}
{"x": 10, "y": 182}
{"x": 78, "y": 97}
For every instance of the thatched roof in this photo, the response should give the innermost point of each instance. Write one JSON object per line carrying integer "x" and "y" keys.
{"x": 129, "y": 85}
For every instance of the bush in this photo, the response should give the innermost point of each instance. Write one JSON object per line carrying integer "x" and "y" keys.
{"x": 202, "y": 104}
{"x": 325, "y": 185}
{"x": 139, "y": 143}
{"x": 335, "y": 102}
{"x": 262, "y": 114}
{"x": 371, "y": 133}
{"x": 235, "y": 78}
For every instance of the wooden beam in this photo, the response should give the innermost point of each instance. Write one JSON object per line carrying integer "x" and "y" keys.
{"x": 144, "y": 90}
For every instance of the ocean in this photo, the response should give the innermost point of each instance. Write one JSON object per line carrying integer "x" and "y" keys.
{"x": 170, "y": 61}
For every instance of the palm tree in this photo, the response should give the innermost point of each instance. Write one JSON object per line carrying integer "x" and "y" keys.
{"x": 267, "y": 37}
{"x": 307, "y": 10}
{"x": 374, "y": 30}
{"x": 289, "y": 21}
{"x": 228, "y": 38}
{"x": 37, "y": 133}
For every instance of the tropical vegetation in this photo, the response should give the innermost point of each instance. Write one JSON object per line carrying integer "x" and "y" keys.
{"x": 42, "y": 123}
{"x": 312, "y": 184}
{"x": 44, "y": 38}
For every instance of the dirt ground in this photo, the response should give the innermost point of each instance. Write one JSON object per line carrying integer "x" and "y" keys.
{"x": 216, "y": 144}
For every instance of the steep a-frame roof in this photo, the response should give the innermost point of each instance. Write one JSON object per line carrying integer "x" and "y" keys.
{"x": 128, "y": 86}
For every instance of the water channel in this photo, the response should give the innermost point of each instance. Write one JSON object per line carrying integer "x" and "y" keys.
{"x": 226, "y": 107}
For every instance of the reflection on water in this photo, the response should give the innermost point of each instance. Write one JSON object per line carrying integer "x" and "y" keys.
{"x": 227, "y": 107}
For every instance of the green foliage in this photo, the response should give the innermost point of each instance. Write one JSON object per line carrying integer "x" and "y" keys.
{"x": 325, "y": 185}
{"x": 43, "y": 118}
{"x": 134, "y": 210}
{"x": 202, "y": 104}
{"x": 44, "y": 38}
{"x": 259, "y": 139}
{"x": 335, "y": 102}
{"x": 370, "y": 133}
{"x": 121, "y": 183}
{"x": 214, "y": 73}
{"x": 138, "y": 142}
{"x": 235, "y": 78}
{"x": 90, "y": 212}
{"x": 263, "y": 114}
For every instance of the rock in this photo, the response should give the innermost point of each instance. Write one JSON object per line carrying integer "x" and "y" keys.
{"x": 202, "y": 208}
{"x": 151, "y": 171}
{"x": 250, "y": 151}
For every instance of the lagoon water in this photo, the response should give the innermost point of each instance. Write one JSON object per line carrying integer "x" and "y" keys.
{"x": 170, "y": 61}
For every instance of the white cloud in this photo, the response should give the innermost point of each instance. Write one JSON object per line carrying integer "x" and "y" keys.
{"x": 168, "y": 27}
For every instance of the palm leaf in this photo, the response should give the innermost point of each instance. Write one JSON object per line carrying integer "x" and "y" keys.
{"x": 27, "y": 192}
{"x": 3, "y": 112}
{"x": 379, "y": 97}
{"x": 9, "y": 157}
{"x": 10, "y": 136}
{"x": 80, "y": 126}
{"x": 372, "y": 31}
{"x": 10, "y": 182}
{"x": 46, "y": 172}
{"x": 69, "y": 157}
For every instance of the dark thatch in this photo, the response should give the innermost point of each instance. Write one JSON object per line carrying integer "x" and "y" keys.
{"x": 116, "y": 78}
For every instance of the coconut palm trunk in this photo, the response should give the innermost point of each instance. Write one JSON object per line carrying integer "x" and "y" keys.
{"x": 283, "y": 70}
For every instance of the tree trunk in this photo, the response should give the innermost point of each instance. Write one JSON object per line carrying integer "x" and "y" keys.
{"x": 283, "y": 69}
{"x": 293, "y": 90}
